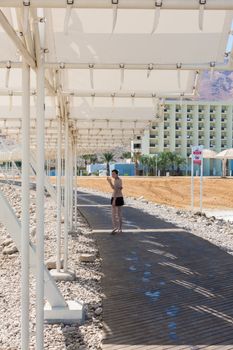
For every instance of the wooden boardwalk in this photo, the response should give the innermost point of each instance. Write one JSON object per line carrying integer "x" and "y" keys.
{"x": 166, "y": 289}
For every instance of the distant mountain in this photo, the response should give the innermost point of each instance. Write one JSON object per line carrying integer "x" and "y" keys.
{"x": 216, "y": 87}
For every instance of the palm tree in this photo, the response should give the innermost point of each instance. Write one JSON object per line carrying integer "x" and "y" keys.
{"x": 145, "y": 161}
{"x": 93, "y": 158}
{"x": 136, "y": 158}
{"x": 172, "y": 156}
{"x": 108, "y": 157}
{"x": 164, "y": 162}
{"x": 153, "y": 165}
{"x": 86, "y": 158}
{"x": 170, "y": 161}
{"x": 179, "y": 161}
{"x": 126, "y": 155}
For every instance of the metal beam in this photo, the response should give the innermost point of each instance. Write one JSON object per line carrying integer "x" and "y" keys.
{"x": 89, "y": 120}
{"x": 138, "y": 66}
{"x": 130, "y": 94}
{"x": 14, "y": 37}
{"x": 125, "y": 4}
{"x": 21, "y": 47}
{"x": 218, "y": 66}
{"x": 106, "y": 94}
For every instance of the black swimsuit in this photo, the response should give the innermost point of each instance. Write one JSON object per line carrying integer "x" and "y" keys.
{"x": 119, "y": 201}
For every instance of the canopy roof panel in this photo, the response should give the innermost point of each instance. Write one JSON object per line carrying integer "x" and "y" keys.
{"x": 158, "y": 81}
{"x": 177, "y": 39}
{"x": 106, "y": 73}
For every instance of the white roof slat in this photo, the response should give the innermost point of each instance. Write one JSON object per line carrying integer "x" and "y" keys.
{"x": 89, "y": 37}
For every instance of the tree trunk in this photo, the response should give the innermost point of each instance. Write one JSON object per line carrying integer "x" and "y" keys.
{"x": 108, "y": 169}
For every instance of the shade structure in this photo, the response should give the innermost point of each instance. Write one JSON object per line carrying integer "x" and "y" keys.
{"x": 108, "y": 68}
{"x": 226, "y": 154}
{"x": 207, "y": 154}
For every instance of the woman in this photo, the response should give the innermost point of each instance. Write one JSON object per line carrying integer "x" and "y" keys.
{"x": 117, "y": 201}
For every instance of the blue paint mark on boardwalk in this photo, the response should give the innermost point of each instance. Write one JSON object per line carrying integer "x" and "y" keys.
{"x": 173, "y": 336}
{"x": 129, "y": 258}
{"x": 154, "y": 295}
{"x": 147, "y": 273}
{"x": 145, "y": 279}
{"x": 172, "y": 325}
{"x": 162, "y": 283}
{"x": 172, "y": 311}
{"x": 132, "y": 268}
{"x": 148, "y": 265}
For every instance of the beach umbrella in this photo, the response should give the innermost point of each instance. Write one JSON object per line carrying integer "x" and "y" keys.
{"x": 207, "y": 154}
{"x": 226, "y": 154}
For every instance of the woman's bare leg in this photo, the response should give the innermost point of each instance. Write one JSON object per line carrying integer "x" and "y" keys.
{"x": 114, "y": 217}
{"x": 119, "y": 217}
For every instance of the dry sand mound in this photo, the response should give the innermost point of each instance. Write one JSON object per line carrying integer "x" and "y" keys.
{"x": 173, "y": 191}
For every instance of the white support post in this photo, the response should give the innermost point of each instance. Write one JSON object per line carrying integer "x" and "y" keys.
{"x": 75, "y": 187}
{"x": 58, "y": 264}
{"x": 25, "y": 207}
{"x": 201, "y": 184}
{"x": 66, "y": 215}
{"x": 40, "y": 158}
{"x": 63, "y": 180}
{"x": 71, "y": 191}
{"x": 50, "y": 189}
{"x": 47, "y": 167}
{"x": 68, "y": 185}
{"x": 40, "y": 211}
{"x": 192, "y": 184}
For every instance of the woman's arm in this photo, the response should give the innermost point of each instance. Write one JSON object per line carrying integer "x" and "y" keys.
{"x": 110, "y": 183}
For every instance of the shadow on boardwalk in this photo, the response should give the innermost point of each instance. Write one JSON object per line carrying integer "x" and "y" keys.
{"x": 166, "y": 289}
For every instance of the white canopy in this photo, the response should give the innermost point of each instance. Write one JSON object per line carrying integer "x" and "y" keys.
{"x": 108, "y": 67}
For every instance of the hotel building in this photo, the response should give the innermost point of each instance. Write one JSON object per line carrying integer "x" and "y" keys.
{"x": 188, "y": 124}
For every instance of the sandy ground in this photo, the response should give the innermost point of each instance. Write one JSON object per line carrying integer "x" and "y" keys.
{"x": 173, "y": 191}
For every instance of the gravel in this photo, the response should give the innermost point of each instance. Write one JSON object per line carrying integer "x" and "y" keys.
{"x": 86, "y": 286}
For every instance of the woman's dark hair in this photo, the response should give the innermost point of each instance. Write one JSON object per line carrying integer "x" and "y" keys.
{"x": 115, "y": 171}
